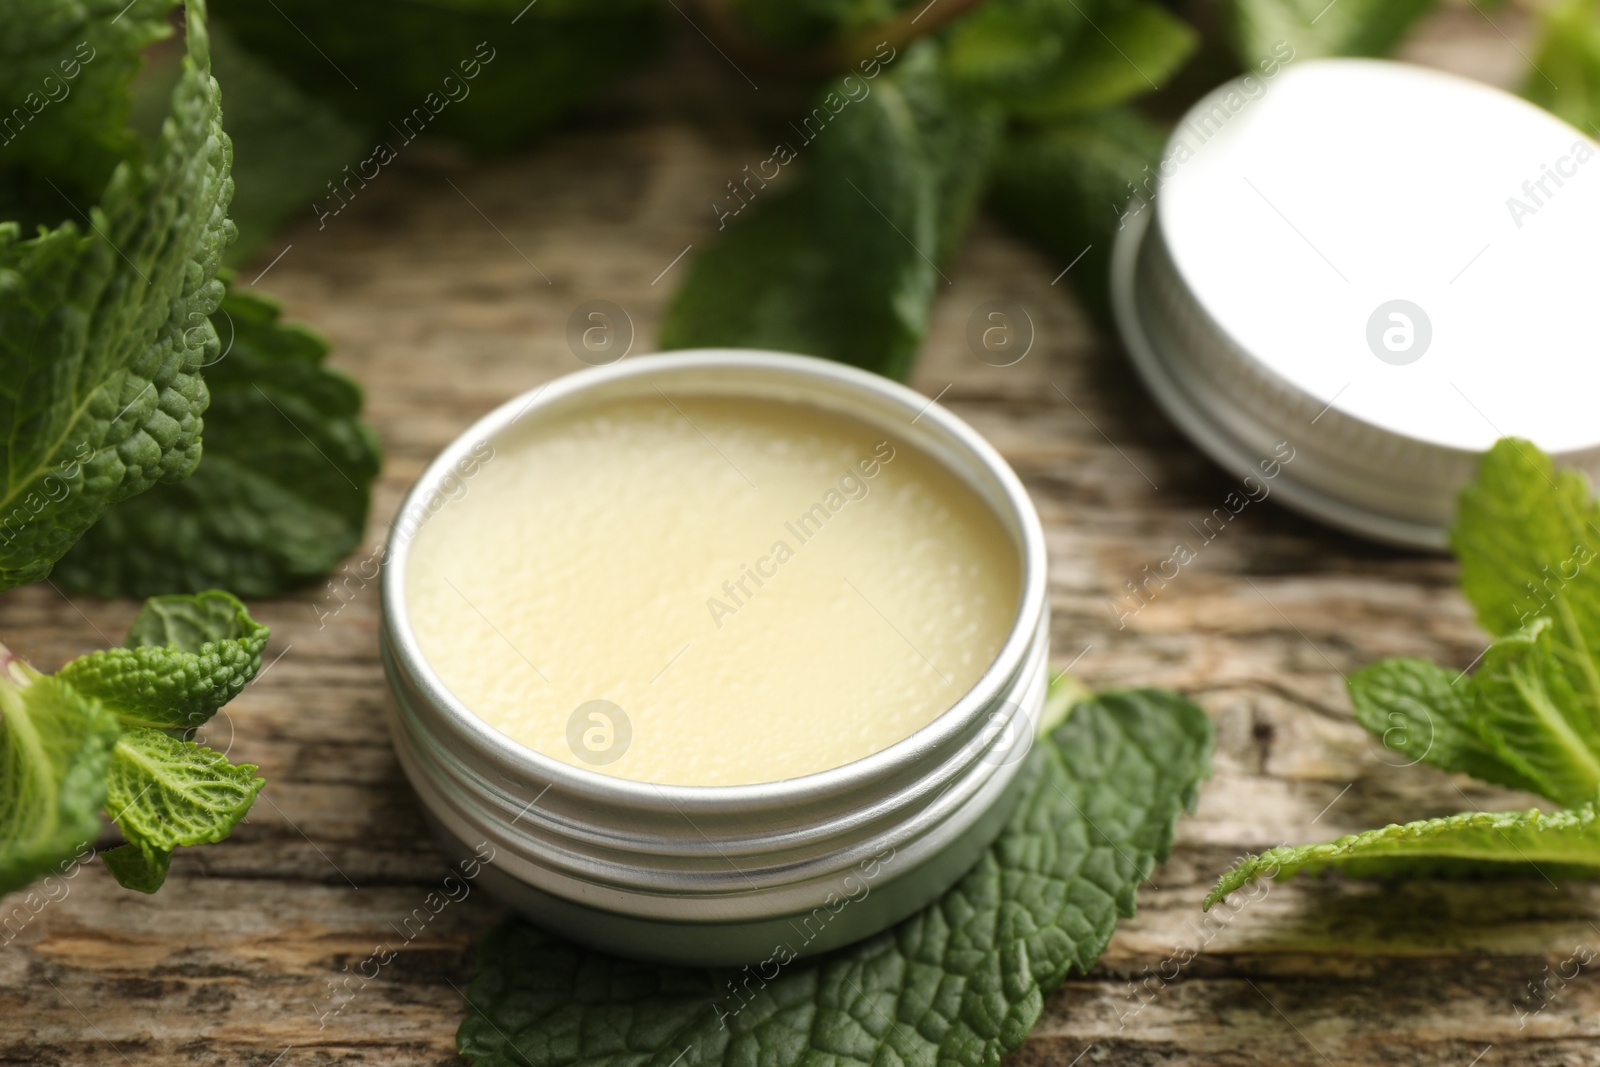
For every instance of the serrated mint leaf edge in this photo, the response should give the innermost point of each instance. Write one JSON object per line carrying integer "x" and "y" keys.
{"x": 1540, "y": 838}
{"x": 170, "y": 215}
{"x": 170, "y": 686}
{"x": 252, "y": 517}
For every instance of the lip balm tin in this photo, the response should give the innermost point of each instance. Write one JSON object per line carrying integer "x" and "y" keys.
{"x": 1386, "y": 266}
{"x": 726, "y": 875}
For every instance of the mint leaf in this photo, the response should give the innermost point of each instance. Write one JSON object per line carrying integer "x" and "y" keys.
{"x": 1045, "y": 64}
{"x": 846, "y": 265}
{"x": 1317, "y": 28}
{"x": 55, "y": 748}
{"x": 1428, "y": 714}
{"x": 1565, "y": 77}
{"x": 1006, "y": 46}
{"x": 137, "y": 868}
{"x": 1528, "y": 718}
{"x": 103, "y": 329}
{"x": 96, "y": 733}
{"x": 164, "y": 792}
{"x": 190, "y": 623}
{"x": 1135, "y": 52}
{"x": 513, "y": 69}
{"x": 65, "y": 71}
{"x": 1526, "y": 535}
{"x": 1507, "y": 843}
{"x": 282, "y": 492}
{"x": 1530, "y": 715}
{"x": 186, "y": 656}
{"x": 1066, "y": 185}
{"x": 960, "y": 983}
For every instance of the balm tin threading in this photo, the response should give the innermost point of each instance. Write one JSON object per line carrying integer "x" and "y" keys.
{"x": 722, "y": 875}
{"x": 1382, "y": 265}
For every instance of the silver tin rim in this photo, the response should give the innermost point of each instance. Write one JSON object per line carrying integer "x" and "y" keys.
{"x": 615, "y": 853}
{"x": 1179, "y": 388}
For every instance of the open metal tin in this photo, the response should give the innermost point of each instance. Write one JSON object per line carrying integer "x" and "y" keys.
{"x": 724, "y": 875}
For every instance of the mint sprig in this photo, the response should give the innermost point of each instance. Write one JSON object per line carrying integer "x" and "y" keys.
{"x": 847, "y": 262}
{"x": 959, "y": 983}
{"x": 111, "y": 730}
{"x": 1045, "y": 61}
{"x": 846, "y": 265}
{"x": 113, "y": 345}
{"x": 1528, "y": 537}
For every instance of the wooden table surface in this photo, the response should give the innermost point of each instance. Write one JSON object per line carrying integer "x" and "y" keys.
{"x": 442, "y": 315}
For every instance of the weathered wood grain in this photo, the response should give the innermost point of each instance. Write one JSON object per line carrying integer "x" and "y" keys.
{"x": 443, "y": 314}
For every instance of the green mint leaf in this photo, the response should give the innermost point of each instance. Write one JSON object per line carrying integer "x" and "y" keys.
{"x": 96, "y": 734}
{"x": 1530, "y": 714}
{"x": 1316, "y": 28}
{"x": 103, "y": 329}
{"x": 1526, "y": 535}
{"x": 1006, "y": 46}
{"x": 959, "y": 143}
{"x": 1066, "y": 186}
{"x": 190, "y": 623}
{"x": 164, "y": 792}
{"x": 1528, "y": 718}
{"x": 1138, "y": 49}
{"x": 138, "y": 868}
{"x": 65, "y": 71}
{"x": 1478, "y": 843}
{"x": 512, "y": 69}
{"x": 846, "y": 265}
{"x": 282, "y": 492}
{"x": 185, "y": 657}
{"x": 1129, "y": 51}
{"x": 958, "y": 984}
{"x": 1428, "y": 714}
{"x": 1565, "y": 77}
{"x": 55, "y": 747}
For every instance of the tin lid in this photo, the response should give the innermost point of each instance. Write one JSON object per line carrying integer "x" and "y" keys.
{"x": 1386, "y": 267}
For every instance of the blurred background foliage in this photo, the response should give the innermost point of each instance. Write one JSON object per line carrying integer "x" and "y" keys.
{"x": 1051, "y": 114}
{"x": 1050, "y": 111}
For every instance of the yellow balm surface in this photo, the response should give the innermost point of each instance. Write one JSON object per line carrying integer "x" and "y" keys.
{"x": 702, "y": 590}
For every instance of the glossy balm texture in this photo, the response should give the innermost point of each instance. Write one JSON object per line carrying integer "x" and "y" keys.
{"x": 697, "y": 590}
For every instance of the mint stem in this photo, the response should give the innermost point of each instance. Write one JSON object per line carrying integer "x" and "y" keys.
{"x": 14, "y": 668}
